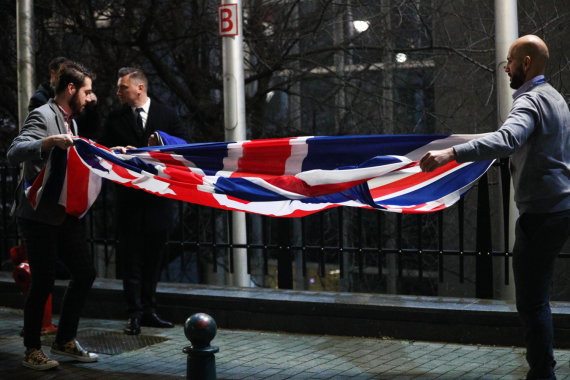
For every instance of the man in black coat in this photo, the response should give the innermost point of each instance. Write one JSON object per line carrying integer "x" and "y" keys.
{"x": 45, "y": 90}
{"x": 143, "y": 219}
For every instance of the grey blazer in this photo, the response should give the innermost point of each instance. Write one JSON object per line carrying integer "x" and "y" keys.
{"x": 44, "y": 121}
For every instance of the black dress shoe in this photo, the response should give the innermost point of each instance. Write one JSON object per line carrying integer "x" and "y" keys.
{"x": 153, "y": 320}
{"x": 133, "y": 326}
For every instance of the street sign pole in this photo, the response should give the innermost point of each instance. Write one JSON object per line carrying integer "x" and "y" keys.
{"x": 231, "y": 31}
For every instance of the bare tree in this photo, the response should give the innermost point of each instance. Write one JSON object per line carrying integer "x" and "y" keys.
{"x": 413, "y": 54}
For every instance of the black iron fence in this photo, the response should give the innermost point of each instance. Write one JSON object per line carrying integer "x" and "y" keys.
{"x": 453, "y": 252}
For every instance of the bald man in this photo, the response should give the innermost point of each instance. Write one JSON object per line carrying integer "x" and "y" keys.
{"x": 536, "y": 135}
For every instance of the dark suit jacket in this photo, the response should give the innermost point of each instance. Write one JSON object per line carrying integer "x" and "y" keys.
{"x": 41, "y": 96}
{"x": 133, "y": 205}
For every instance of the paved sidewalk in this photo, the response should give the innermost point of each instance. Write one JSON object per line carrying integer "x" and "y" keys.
{"x": 260, "y": 355}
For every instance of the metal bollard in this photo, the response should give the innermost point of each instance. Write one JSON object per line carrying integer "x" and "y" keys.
{"x": 200, "y": 329}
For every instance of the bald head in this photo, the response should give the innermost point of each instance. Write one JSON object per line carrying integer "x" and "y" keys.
{"x": 533, "y": 47}
{"x": 527, "y": 58}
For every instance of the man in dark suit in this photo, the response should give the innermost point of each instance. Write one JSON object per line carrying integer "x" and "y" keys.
{"x": 143, "y": 219}
{"x": 48, "y": 231}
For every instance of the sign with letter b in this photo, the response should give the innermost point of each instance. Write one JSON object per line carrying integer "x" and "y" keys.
{"x": 228, "y": 20}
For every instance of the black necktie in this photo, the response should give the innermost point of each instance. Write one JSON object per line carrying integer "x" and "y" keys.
{"x": 139, "y": 118}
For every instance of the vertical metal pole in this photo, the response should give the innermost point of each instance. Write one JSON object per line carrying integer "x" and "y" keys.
{"x": 284, "y": 254}
{"x": 5, "y": 253}
{"x": 506, "y": 30}
{"x": 484, "y": 259}
{"x": 380, "y": 255}
{"x": 322, "y": 261}
{"x": 440, "y": 244}
{"x": 234, "y": 123}
{"x": 389, "y": 126}
{"x": 420, "y": 259}
{"x": 339, "y": 64}
{"x": 461, "y": 217}
{"x": 25, "y": 17}
{"x": 299, "y": 262}
{"x": 294, "y": 96}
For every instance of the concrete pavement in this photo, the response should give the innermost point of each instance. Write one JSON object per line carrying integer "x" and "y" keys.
{"x": 270, "y": 355}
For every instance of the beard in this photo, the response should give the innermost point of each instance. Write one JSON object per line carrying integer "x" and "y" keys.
{"x": 517, "y": 78}
{"x": 75, "y": 104}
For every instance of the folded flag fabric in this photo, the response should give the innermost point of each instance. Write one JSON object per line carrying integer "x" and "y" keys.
{"x": 164, "y": 138}
{"x": 65, "y": 180}
{"x": 287, "y": 177}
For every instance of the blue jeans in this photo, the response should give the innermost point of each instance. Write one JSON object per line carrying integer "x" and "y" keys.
{"x": 44, "y": 244}
{"x": 539, "y": 240}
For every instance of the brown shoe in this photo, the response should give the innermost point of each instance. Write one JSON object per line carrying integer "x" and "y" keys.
{"x": 36, "y": 359}
{"x": 73, "y": 350}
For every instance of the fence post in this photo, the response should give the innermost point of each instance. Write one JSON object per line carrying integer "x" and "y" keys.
{"x": 484, "y": 257}
{"x": 284, "y": 255}
{"x": 5, "y": 213}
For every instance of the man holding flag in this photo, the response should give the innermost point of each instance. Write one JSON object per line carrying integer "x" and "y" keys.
{"x": 144, "y": 220}
{"x": 537, "y": 136}
{"x": 48, "y": 230}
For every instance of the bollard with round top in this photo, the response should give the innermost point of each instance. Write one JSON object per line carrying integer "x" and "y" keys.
{"x": 200, "y": 329}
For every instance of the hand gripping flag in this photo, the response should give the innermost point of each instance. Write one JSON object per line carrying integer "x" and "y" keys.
{"x": 287, "y": 177}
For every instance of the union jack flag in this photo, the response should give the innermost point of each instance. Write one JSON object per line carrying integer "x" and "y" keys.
{"x": 66, "y": 180}
{"x": 286, "y": 177}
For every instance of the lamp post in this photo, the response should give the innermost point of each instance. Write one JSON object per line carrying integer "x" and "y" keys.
{"x": 506, "y": 30}
{"x": 231, "y": 32}
{"x": 25, "y": 16}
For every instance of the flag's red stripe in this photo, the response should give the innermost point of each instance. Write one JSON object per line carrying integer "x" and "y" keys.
{"x": 182, "y": 175}
{"x": 36, "y": 186}
{"x": 264, "y": 156}
{"x": 77, "y": 184}
{"x": 418, "y": 209}
{"x": 412, "y": 180}
{"x": 295, "y": 185}
{"x": 122, "y": 172}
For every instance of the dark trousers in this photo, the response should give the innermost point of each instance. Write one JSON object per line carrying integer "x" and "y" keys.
{"x": 539, "y": 240}
{"x": 142, "y": 253}
{"x": 44, "y": 244}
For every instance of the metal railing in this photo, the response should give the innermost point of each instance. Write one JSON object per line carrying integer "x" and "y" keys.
{"x": 346, "y": 249}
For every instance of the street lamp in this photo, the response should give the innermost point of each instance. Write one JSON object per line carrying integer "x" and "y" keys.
{"x": 401, "y": 57}
{"x": 361, "y": 25}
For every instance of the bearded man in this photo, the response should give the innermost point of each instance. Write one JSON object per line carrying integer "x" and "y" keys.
{"x": 536, "y": 134}
{"x": 48, "y": 231}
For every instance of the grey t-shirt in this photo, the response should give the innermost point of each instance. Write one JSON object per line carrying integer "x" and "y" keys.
{"x": 537, "y": 136}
